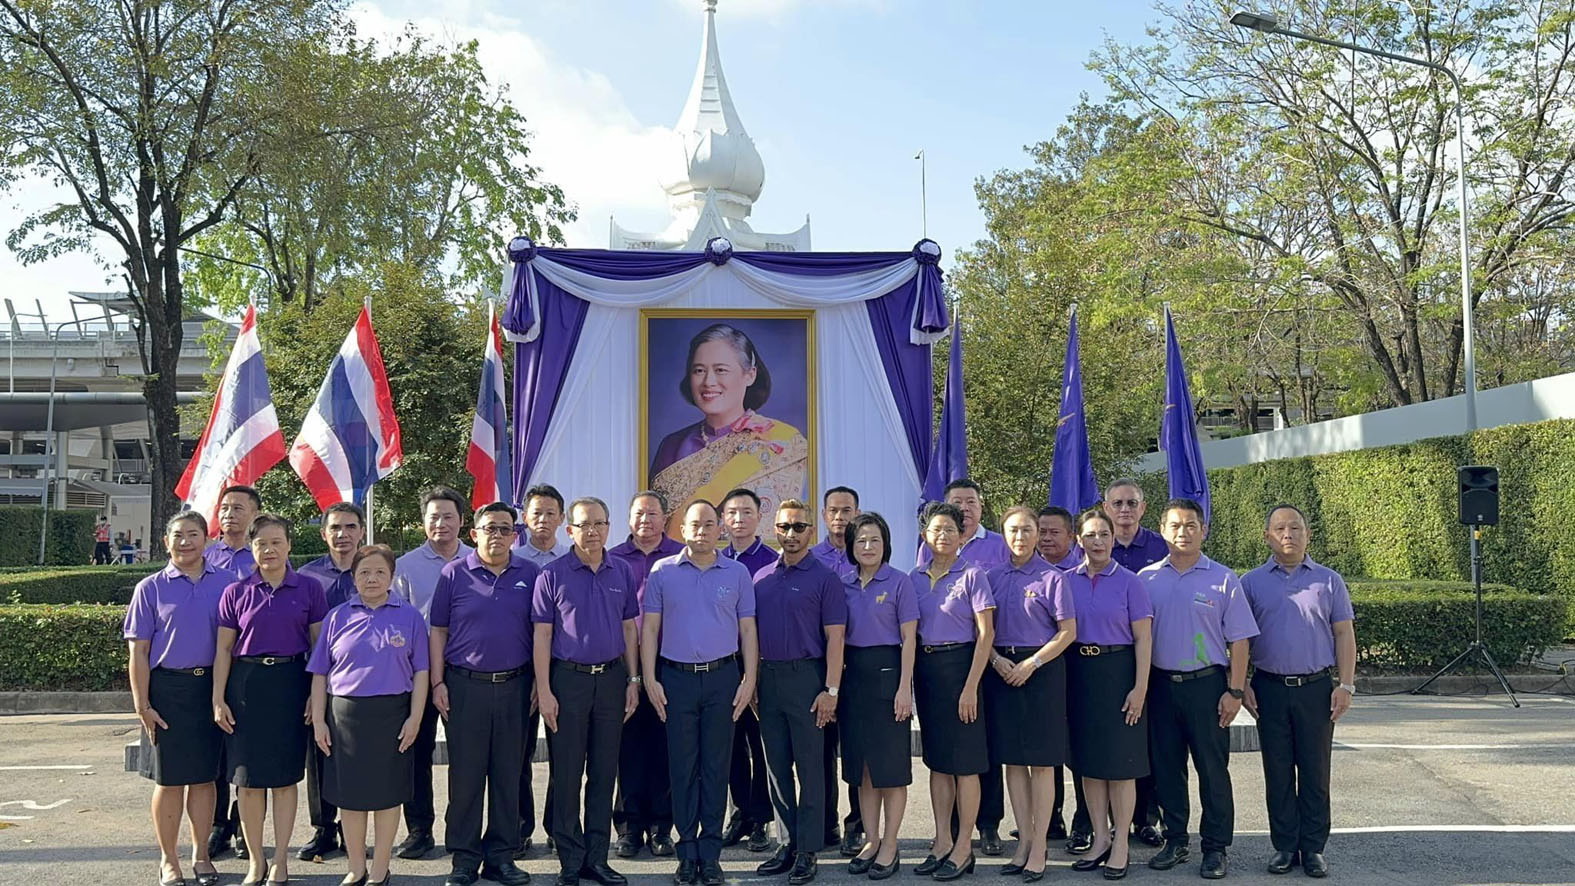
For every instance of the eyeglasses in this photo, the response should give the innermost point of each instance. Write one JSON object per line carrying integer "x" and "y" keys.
{"x": 787, "y": 528}
{"x": 1124, "y": 502}
{"x": 495, "y": 529}
{"x": 591, "y": 524}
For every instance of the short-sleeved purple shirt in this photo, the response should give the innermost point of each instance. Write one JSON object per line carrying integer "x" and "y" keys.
{"x": 877, "y": 611}
{"x": 640, "y": 564}
{"x": 177, "y": 616}
{"x": 1296, "y": 610}
{"x": 793, "y": 606}
{"x": 524, "y": 548}
{"x": 487, "y": 615}
{"x": 338, "y": 584}
{"x": 366, "y": 651}
{"x": 1108, "y": 602}
{"x": 835, "y": 559}
{"x": 1146, "y": 549}
{"x": 1071, "y": 560}
{"x": 985, "y": 550}
{"x": 947, "y": 607}
{"x": 416, "y": 574}
{"x": 756, "y": 557}
{"x": 239, "y": 562}
{"x": 273, "y": 621}
{"x": 1030, "y": 600}
{"x": 700, "y": 608}
{"x": 1197, "y": 614}
{"x": 586, "y": 608}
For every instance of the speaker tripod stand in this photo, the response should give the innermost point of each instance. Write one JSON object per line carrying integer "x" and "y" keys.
{"x": 1476, "y": 648}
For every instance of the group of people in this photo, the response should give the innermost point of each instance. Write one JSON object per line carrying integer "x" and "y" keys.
{"x": 666, "y": 673}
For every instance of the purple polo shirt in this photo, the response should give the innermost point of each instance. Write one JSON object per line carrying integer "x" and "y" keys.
{"x": 338, "y": 584}
{"x": 524, "y": 548}
{"x": 755, "y": 557}
{"x": 700, "y": 608}
{"x": 487, "y": 615}
{"x": 1030, "y": 600}
{"x": 1197, "y": 614}
{"x": 586, "y": 609}
{"x": 1296, "y": 609}
{"x": 1107, "y": 602}
{"x": 1073, "y": 558}
{"x": 946, "y": 607}
{"x": 877, "y": 611}
{"x": 640, "y": 564}
{"x": 239, "y": 562}
{"x": 273, "y": 621}
{"x": 177, "y": 616}
{"x": 793, "y": 605}
{"x": 1146, "y": 549}
{"x": 835, "y": 559}
{"x": 365, "y": 651}
{"x": 985, "y": 550}
{"x": 416, "y": 575}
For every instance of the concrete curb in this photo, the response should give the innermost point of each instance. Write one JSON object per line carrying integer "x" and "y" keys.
{"x": 65, "y": 703}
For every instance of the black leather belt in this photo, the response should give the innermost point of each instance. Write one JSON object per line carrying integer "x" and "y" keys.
{"x": 189, "y": 672}
{"x": 788, "y": 662}
{"x": 1294, "y": 680}
{"x": 701, "y": 667}
{"x": 487, "y": 676}
{"x": 585, "y": 668}
{"x": 269, "y": 659}
{"x": 1013, "y": 650}
{"x": 1092, "y": 649}
{"x": 946, "y": 647}
{"x": 1184, "y": 676}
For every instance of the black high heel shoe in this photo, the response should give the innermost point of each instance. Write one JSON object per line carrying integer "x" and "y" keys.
{"x": 1011, "y": 869}
{"x": 949, "y": 870}
{"x": 1033, "y": 876}
{"x": 859, "y": 866}
{"x": 1091, "y": 864}
{"x": 1115, "y": 873}
{"x": 880, "y": 871}
{"x": 928, "y": 866}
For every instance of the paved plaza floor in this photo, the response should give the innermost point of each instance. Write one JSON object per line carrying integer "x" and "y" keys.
{"x": 1426, "y": 790}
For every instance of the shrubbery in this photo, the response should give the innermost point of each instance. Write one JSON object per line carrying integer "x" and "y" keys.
{"x": 70, "y": 536}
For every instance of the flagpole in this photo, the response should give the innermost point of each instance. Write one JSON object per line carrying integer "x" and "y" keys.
{"x": 366, "y": 303}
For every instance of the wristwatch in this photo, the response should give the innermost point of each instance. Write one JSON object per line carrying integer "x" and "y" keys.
{"x": 636, "y": 679}
{"x": 1237, "y": 694}
{"x": 832, "y": 691}
{"x": 1348, "y": 687}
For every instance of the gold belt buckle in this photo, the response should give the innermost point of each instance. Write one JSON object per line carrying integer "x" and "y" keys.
{"x": 1089, "y": 651}
{"x": 198, "y": 672}
{"x": 702, "y": 667}
{"x": 268, "y": 660}
{"x": 597, "y": 669}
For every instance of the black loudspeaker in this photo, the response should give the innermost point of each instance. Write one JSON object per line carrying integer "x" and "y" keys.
{"x": 1478, "y": 495}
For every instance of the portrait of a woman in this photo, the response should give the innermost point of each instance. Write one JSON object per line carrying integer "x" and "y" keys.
{"x": 732, "y": 444}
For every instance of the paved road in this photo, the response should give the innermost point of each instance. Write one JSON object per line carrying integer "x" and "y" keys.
{"x": 1427, "y": 790}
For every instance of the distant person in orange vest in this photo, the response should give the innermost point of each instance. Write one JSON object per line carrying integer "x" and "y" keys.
{"x": 101, "y": 554}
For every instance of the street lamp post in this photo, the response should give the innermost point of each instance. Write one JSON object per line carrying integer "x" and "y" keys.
{"x": 50, "y": 474}
{"x": 1268, "y": 24}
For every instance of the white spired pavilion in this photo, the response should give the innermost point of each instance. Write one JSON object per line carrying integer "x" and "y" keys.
{"x": 713, "y": 174}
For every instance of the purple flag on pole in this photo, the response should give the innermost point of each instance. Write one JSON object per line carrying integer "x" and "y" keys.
{"x": 1178, "y": 432}
{"x": 949, "y": 458}
{"x": 1072, "y": 483}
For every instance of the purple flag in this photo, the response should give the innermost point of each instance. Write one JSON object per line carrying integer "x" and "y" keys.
{"x": 1178, "y": 431}
{"x": 949, "y": 458}
{"x": 1072, "y": 483}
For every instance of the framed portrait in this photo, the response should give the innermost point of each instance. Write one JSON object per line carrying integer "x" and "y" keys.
{"x": 727, "y": 401}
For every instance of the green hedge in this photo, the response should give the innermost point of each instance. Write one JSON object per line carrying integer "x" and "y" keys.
{"x": 70, "y": 536}
{"x": 83, "y": 584}
{"x": 62, "y": 648}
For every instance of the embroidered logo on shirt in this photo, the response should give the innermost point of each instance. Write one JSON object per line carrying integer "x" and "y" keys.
{"x": 396, "y": 639}
{"x": 1205, "y": 599}
{"x": 1030, "y": 592}
{"x": 722, "y": 591}
{"x": 881, "y": 597}
{"x": 521, "y": 584}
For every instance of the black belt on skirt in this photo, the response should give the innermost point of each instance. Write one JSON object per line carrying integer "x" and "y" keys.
{"x": 700, "y": 667}
{"x": 585, "y": 668}
{"x": 189, "y": 672}
{"x": 933, "y": 648}
{"x": 1013, "y": 650}
{"x": 1293, "y": 680}
{"x": 487, "y": 676}
{"x": 1184, "y": 676}
{"x": 269, "y": 659}
{"x": 1101, "y": 649}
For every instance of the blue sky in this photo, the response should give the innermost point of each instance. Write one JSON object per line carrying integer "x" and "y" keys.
{"x": 838, "y": 96}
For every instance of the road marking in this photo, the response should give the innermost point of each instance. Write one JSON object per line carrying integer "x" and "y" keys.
{"x": 1366, "y": 746}
{"x": 30, "y": 805}
{"x": 27, "y": 768}
{"x": 1444, "y": 829}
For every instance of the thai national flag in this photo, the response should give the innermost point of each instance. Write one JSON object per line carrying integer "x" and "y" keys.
{"x": 350, "y": 437}
{"x": 488, "y": 459}
{"x": 242, "y": 439}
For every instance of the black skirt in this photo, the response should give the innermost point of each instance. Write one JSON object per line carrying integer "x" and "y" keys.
{"x": 1027, "y": 723}
{"x": 951, "y": 747}
{"x": 1103, "y": 745}
{"x": 871, "y": 735}
{"x": 188, "y": 751}
{"x": 365, "y": 771}
{"x": 268, "y": 747}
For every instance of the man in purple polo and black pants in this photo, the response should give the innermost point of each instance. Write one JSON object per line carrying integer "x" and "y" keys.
{"x": 746, "y": 779}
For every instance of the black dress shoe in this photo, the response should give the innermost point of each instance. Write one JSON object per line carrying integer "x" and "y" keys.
{"x": 928, "y": 866}
{"x": 218, "y": 842}
{"x": 1151, "y": 836}
{"x": 567, "y": 879}
{"x": 1057, "y": 830}
{"x": 1172, "y": 855}
{"x": 1091, "y": 864}
{"x": 1314, "y": 865}
{"x": 461, "y": 878}
{"x": 603, "y": 874}
{"x": 735, "y": 832}
{"x": 1115, "y": 873}
{"x": 951, "y": 870}
{"x": 758, "y": 841}
{"x": 779, "y": 863}
{"x": 661, "y": 845}
{"x": 1011, "y": 869}
{"x": 885, "y": 871}
{"x": 990, "y": 842}
{"x": 1079, "y": 843}
{"x": 688, "y": 873}
{"x": 1282, "y": 862}
{"x": 240, "y": 849}
{"x": 628, "y": 845}
{"x": 505, "y": 872}
{"x": 322, "y": 845}
{"x": 711, "y": 873}
{"x": 804, "y": 868}
{"x": 859, "y": 866}
{"x": 1033, "y": 876}
{"x": 852, "y": 844}
{"x": 416, "y": 845}
{"x": 1213, "y": 864}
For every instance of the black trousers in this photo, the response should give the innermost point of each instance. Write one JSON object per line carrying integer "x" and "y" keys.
{"x": 585, "y": 750}
{"x": 794, "y": 746}
{"x": 1079, "y": 821}
{"x": 1296, "y": 738}
{"x": 486, "y": 750}
{"x": 1146, "y": 808}
{"x": 1184, "y": 718}
{"x": 226, "y": 811}
{"x": 852, "y": 822}
{"x": 321, "y": 812}
{"x": 992, "y": 798}
{"x": 643, "y": 802}
{"x": 527, "y": 789}
{"x": 699, "y": 752}
{"x": 746, "y": 778}
{"x": 419, "y": 814}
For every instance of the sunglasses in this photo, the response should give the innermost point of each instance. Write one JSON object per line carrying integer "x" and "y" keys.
{"x": 1123, "y": 502}
{"x": 786, "y": 528}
